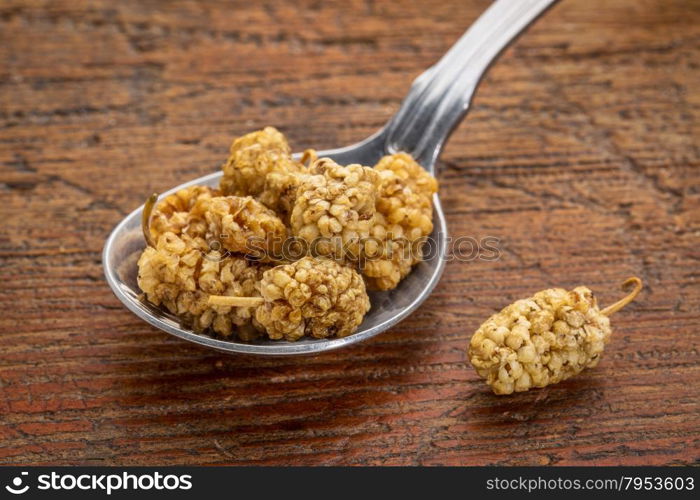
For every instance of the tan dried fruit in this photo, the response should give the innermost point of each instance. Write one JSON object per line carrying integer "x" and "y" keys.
{"x": 279, "y": 192}
{"x": 344, "y": 212}
{"x": 543, "y": 340}
{"x": 179, "y": 276}
{"x": 404, "y": 219}
{"x": 254, "y": 156}
{"x": 181, "y": 213}
{"x": 245, "y": 226}
{"x": 233, "y": 223}
{"x": 312, "y": 296}
{"x": 406, "y": 168}
{"x": 334, "y": 209}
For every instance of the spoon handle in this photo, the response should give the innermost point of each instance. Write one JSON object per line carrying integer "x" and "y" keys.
{"x": 440, "y": 97}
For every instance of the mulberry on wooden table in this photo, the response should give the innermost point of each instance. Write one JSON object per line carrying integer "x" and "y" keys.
{"x": 544, "y": 339}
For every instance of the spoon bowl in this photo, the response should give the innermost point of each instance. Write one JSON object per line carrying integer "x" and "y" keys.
{"x": 437, "y": 101}
{"x": 125, "y": 244}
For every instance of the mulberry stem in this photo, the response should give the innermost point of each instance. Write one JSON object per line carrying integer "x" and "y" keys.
{"x": 613, "y": 308}
{"x": 225, "y": 300}
{"x": 308, "y": 157}
{"x": 146, "y": 218}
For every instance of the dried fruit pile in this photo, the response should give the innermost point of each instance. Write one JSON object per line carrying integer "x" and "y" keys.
{"x": 285, "y": 248}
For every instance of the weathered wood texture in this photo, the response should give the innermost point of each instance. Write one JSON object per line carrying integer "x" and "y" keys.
{"x": 581, "y": 154}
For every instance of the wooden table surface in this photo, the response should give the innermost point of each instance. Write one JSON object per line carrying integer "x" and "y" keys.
{"x": 580, "y": 154}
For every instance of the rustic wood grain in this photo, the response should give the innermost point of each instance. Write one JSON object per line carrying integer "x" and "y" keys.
{"x": 581, "y": 154}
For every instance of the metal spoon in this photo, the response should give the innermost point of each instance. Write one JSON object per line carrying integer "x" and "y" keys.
{"x": 436, "y": 103}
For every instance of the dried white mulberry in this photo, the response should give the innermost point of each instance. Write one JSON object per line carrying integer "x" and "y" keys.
{"x": 243, "y": 225}
{"x": 279, "y": 192}
{"x": 403, "y": 220}
{"x": 544, "y": 339}
{"x": 334, "y": 209}
{"x": 233, "y": 223}
{"x": 260, "y": 165}
{"x": 179, "y": 276}
{"x": 312, "y": 296}
{"x": 179, "y": 213}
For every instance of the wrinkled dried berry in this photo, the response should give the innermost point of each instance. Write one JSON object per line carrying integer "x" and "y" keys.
{"x": 312, "y": 296}
{"x": 243, "y": 225}
{"x": 180, "y": 277}
{"x": 403, "y": 220}
{"x": 182, "y": 213}
{"x": 543, "y": 340}
{"x": 334, "y": 209}
{"x": 251, "y": 158}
